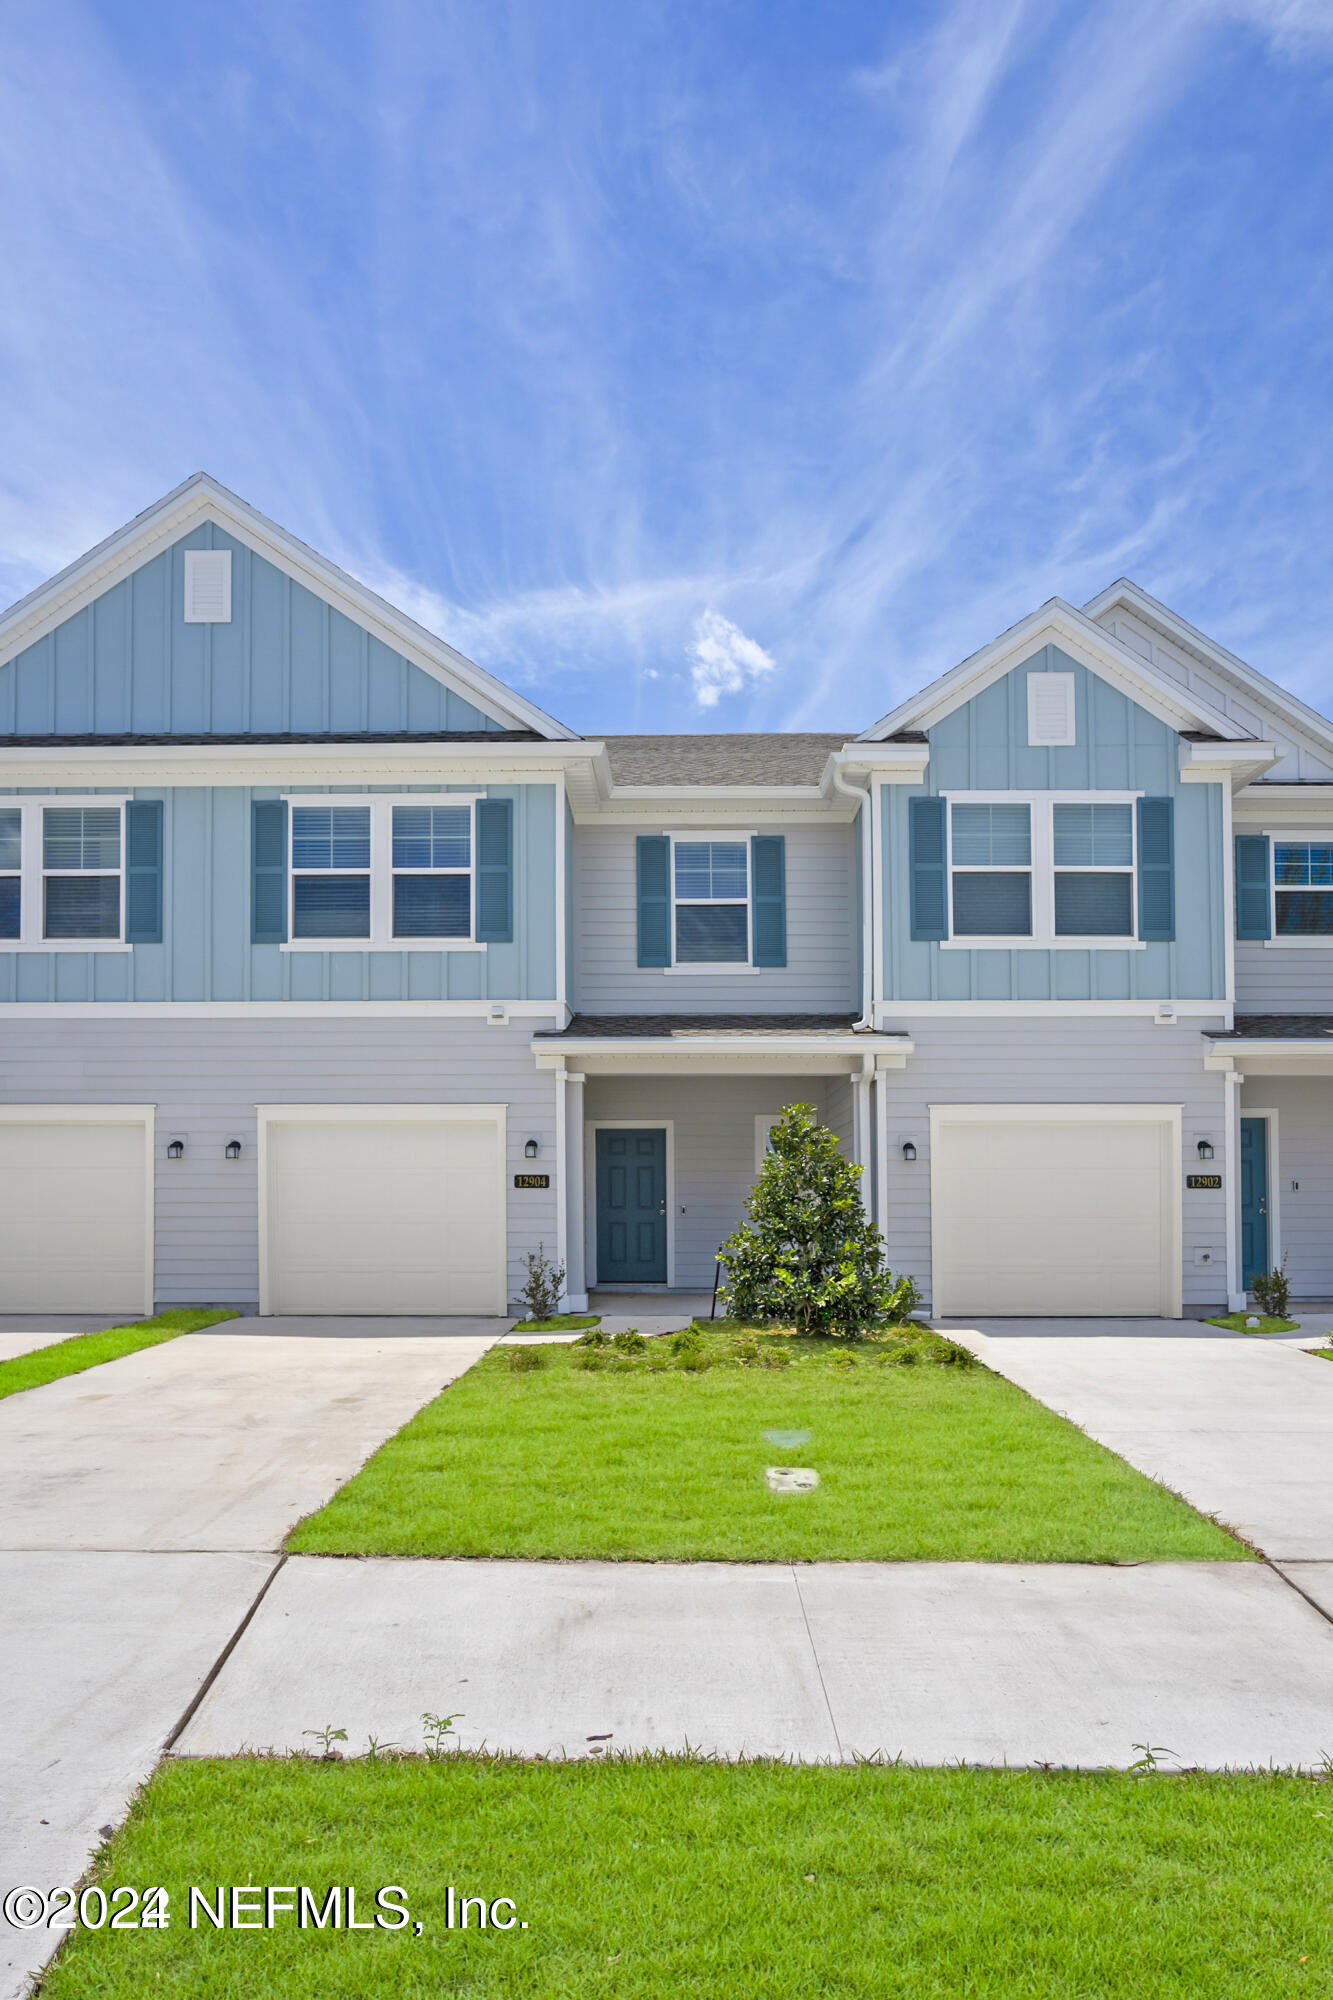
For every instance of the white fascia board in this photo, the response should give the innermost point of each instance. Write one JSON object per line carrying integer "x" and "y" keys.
{"x": 887, "y": 1051}
{"x": 1260, "y": 805}
{"x": 202, "y": 498}
{"x": 1282, "y": 1056}
{"x": 1236, "y": 764}
{"x": 889, "y": 1012}
{"x": 707, "y": 805}
{"x": 516, "y": 1011}
{"x": 894, "y": 763}
{"x": 1247, "y": 678}
{"x": 1060, "y": 624}
{"x": 287, "y": 763}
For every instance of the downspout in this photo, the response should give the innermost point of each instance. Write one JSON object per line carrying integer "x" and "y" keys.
{"x": 868, "y": 890}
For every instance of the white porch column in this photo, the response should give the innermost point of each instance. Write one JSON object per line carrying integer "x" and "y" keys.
{"x": 882, "y": 1153}
{"x": 1231, "y": 1184}
{"x": 571, "y": 1249}
{"x": 863, "y": 1129}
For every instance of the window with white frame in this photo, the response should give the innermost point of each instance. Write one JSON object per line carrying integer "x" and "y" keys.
{"x": 1302, "y": 888}
{"x": 61, "y": 869}
{"x": 711, "y": 901}
{"x": 1042, "y": 870}
{"x": 386, "y": 873}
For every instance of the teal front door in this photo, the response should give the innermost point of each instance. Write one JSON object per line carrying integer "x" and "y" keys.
{"x": 631, "y": 1207}
{"x": 1253, "y": 1198}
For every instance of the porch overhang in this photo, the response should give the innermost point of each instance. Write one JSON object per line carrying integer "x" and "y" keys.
{"x": 698, "y": 1045}
{"x": 1274, "y": 1045}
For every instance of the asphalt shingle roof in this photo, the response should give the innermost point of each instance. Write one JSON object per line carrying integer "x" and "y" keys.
{"x": 722, "y": 760}
{"x": 1279, "y": 1028}
{"x": 630, "y": 1027}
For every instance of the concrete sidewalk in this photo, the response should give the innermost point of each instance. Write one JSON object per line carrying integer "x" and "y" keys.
{"x": 993, "y": 1663}
{"x": 1242, "y": 1428}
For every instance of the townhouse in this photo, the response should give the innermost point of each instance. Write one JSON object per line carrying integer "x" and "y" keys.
{"x": 336, "y": 977}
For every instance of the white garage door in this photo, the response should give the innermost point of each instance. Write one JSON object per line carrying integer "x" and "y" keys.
{"x": 1053, "y": 1210}
{"x": 384, "y": 1214}
{"x": 74, "y": 1220}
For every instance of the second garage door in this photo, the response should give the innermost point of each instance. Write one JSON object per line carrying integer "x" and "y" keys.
{"x": 384, "y": 1213}
{"x": 76, "y": 1211}
{"x": 1073, "y": 1209}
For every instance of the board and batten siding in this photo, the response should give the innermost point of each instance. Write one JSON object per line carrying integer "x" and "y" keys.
{"x": 982, "y": 746}
{"x": 823, "y": 932}
{"x": 286, "y": 662}
{"x": 1300, "y": 1149}
{"x": 714, "y": 1143}
{"x": 206, "y": 1077}
{"x": 998, "y": 1061}
{"x": 206, "y": 953}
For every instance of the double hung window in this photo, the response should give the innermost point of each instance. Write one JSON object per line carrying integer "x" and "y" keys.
{"x": 1042, "y": 870}
{"x": 385, "y": 873}
{"x": 1303, "y": 888}
{"x": 711, "y": 896}
{"x": 61, "y": 874}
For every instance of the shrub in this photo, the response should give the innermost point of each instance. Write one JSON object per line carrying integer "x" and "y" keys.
{"x": 689, "y": 1340}
{"x": 746, "y": 1351}
{"x": 522, "y": 1360}
{"x": 590, "y": 1359}
{"x": 541, "y": 1290}
{"x": 1272, "y": 1291}
{"x": 809, "y": 1256}
{"x": 629, "y": 1340}
{"x": 774, "y": 1357}
{"x": 594, "y": 1337}
{"x": 900, "y": 1357}
{"x": 693, "y": 1360}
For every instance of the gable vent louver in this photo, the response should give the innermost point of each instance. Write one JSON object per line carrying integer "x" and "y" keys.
{"x": 1050, "y": 710}
{"x": 208, "y": 586}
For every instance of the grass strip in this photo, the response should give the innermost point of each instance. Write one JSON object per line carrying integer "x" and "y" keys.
{"x": 591, "y": 1452}
{"x": 646, "y": 1876}
{"x": 561, "y": 1323}
{"x": 1239, "y": 1323}
{"x": 89, "y": 1350}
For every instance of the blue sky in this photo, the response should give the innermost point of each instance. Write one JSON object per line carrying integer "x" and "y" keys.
{"x": 714, "y": 366}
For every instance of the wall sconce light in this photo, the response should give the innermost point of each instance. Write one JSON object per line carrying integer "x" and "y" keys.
{"x": 530, "y": 1150}
{"x": 233, "y": 1149}
{"x": 176, "y": 1150}
{"x": 1205, "y": 1149}
{"x": 909, "y": 1150}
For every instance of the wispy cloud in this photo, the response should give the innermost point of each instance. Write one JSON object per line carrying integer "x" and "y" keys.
{"x": 600, "y": 351}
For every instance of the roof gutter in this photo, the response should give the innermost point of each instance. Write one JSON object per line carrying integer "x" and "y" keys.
{"x": 862, "y": 795}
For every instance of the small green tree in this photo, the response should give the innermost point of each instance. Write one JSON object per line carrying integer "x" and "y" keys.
{"x": 808, "y": 1254}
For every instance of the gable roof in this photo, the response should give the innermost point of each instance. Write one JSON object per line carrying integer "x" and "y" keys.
{"x": 791, "y": 759}
{"x": 1232, "y": 671}
{"x": 202, "y": 498}
{"x": 1060, "y": 624}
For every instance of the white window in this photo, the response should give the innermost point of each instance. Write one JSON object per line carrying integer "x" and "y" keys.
{"x": 387, "y": 874}
{"x": 208, "y": 586}
{"x": 1050, "y": 710}
{"x": 1302, "y": 887}
{"x": 1042, "y": 869}
{"x": 710, "y": 890}
{"x": 61, "y": 868}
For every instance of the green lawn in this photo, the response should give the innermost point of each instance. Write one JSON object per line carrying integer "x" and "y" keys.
{"x": 562, "y": 1323}
{"x": 1235, "y": 1323}
{"x": 633, "y": 1457}
{"x": 647, "y": 1877}
{"x": 87, "y": 1350}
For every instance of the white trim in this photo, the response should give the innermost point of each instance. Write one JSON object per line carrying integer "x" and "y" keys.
{"x": 143, "y": 1115}
{"x": 207, "y": 570}
{"x": 890, "y": 1050}
{"x": 1041, "y": 870}
{"x": 381, "y": 870}
{"x": 596, "y": 1125}
{"x": 1231, "y": 1187}
{"x": 561, "y": 1080}
{"x": 268, "y": 1115}
{"x": 710, "y": 968}
{"x": 32, "y": 871}
{"x": 562, "y": 863}
{"x": 1324, "y": 940}
{"x": 201, "y": 498}
{"x": 882, "y": 1153}
{"x": 279, "y": 1010}
{"x": 1086, "y": 642}
{"x": 1228, "y": 896}
{"x": 873, "y": 891}
{"x": 1169, "y": 1116}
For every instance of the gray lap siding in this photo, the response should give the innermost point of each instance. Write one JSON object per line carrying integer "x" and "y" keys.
{"x": 206, "y": 1076}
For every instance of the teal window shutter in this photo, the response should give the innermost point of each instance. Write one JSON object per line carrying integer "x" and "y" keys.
{"x": 495, "y": 871}
{"x": 925, "y": 863}
{"x": 268, "y": 871}
{"x": 1253, "y": 886}
{"x": 654, "y": 869}
{"x": 1157, "y": 871}
{"x": 143, "y": 871}
{"x": 768, "y": 895}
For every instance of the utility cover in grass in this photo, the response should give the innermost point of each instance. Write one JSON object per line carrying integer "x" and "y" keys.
{"x": 791, "y": 1479}
{"x": 786, "y": 1440}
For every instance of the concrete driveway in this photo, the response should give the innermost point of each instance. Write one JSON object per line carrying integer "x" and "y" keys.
{"x": 1243, "y": 1428}
{"x": 24, "y": 1333}
{"x": 141, "y": 1507}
